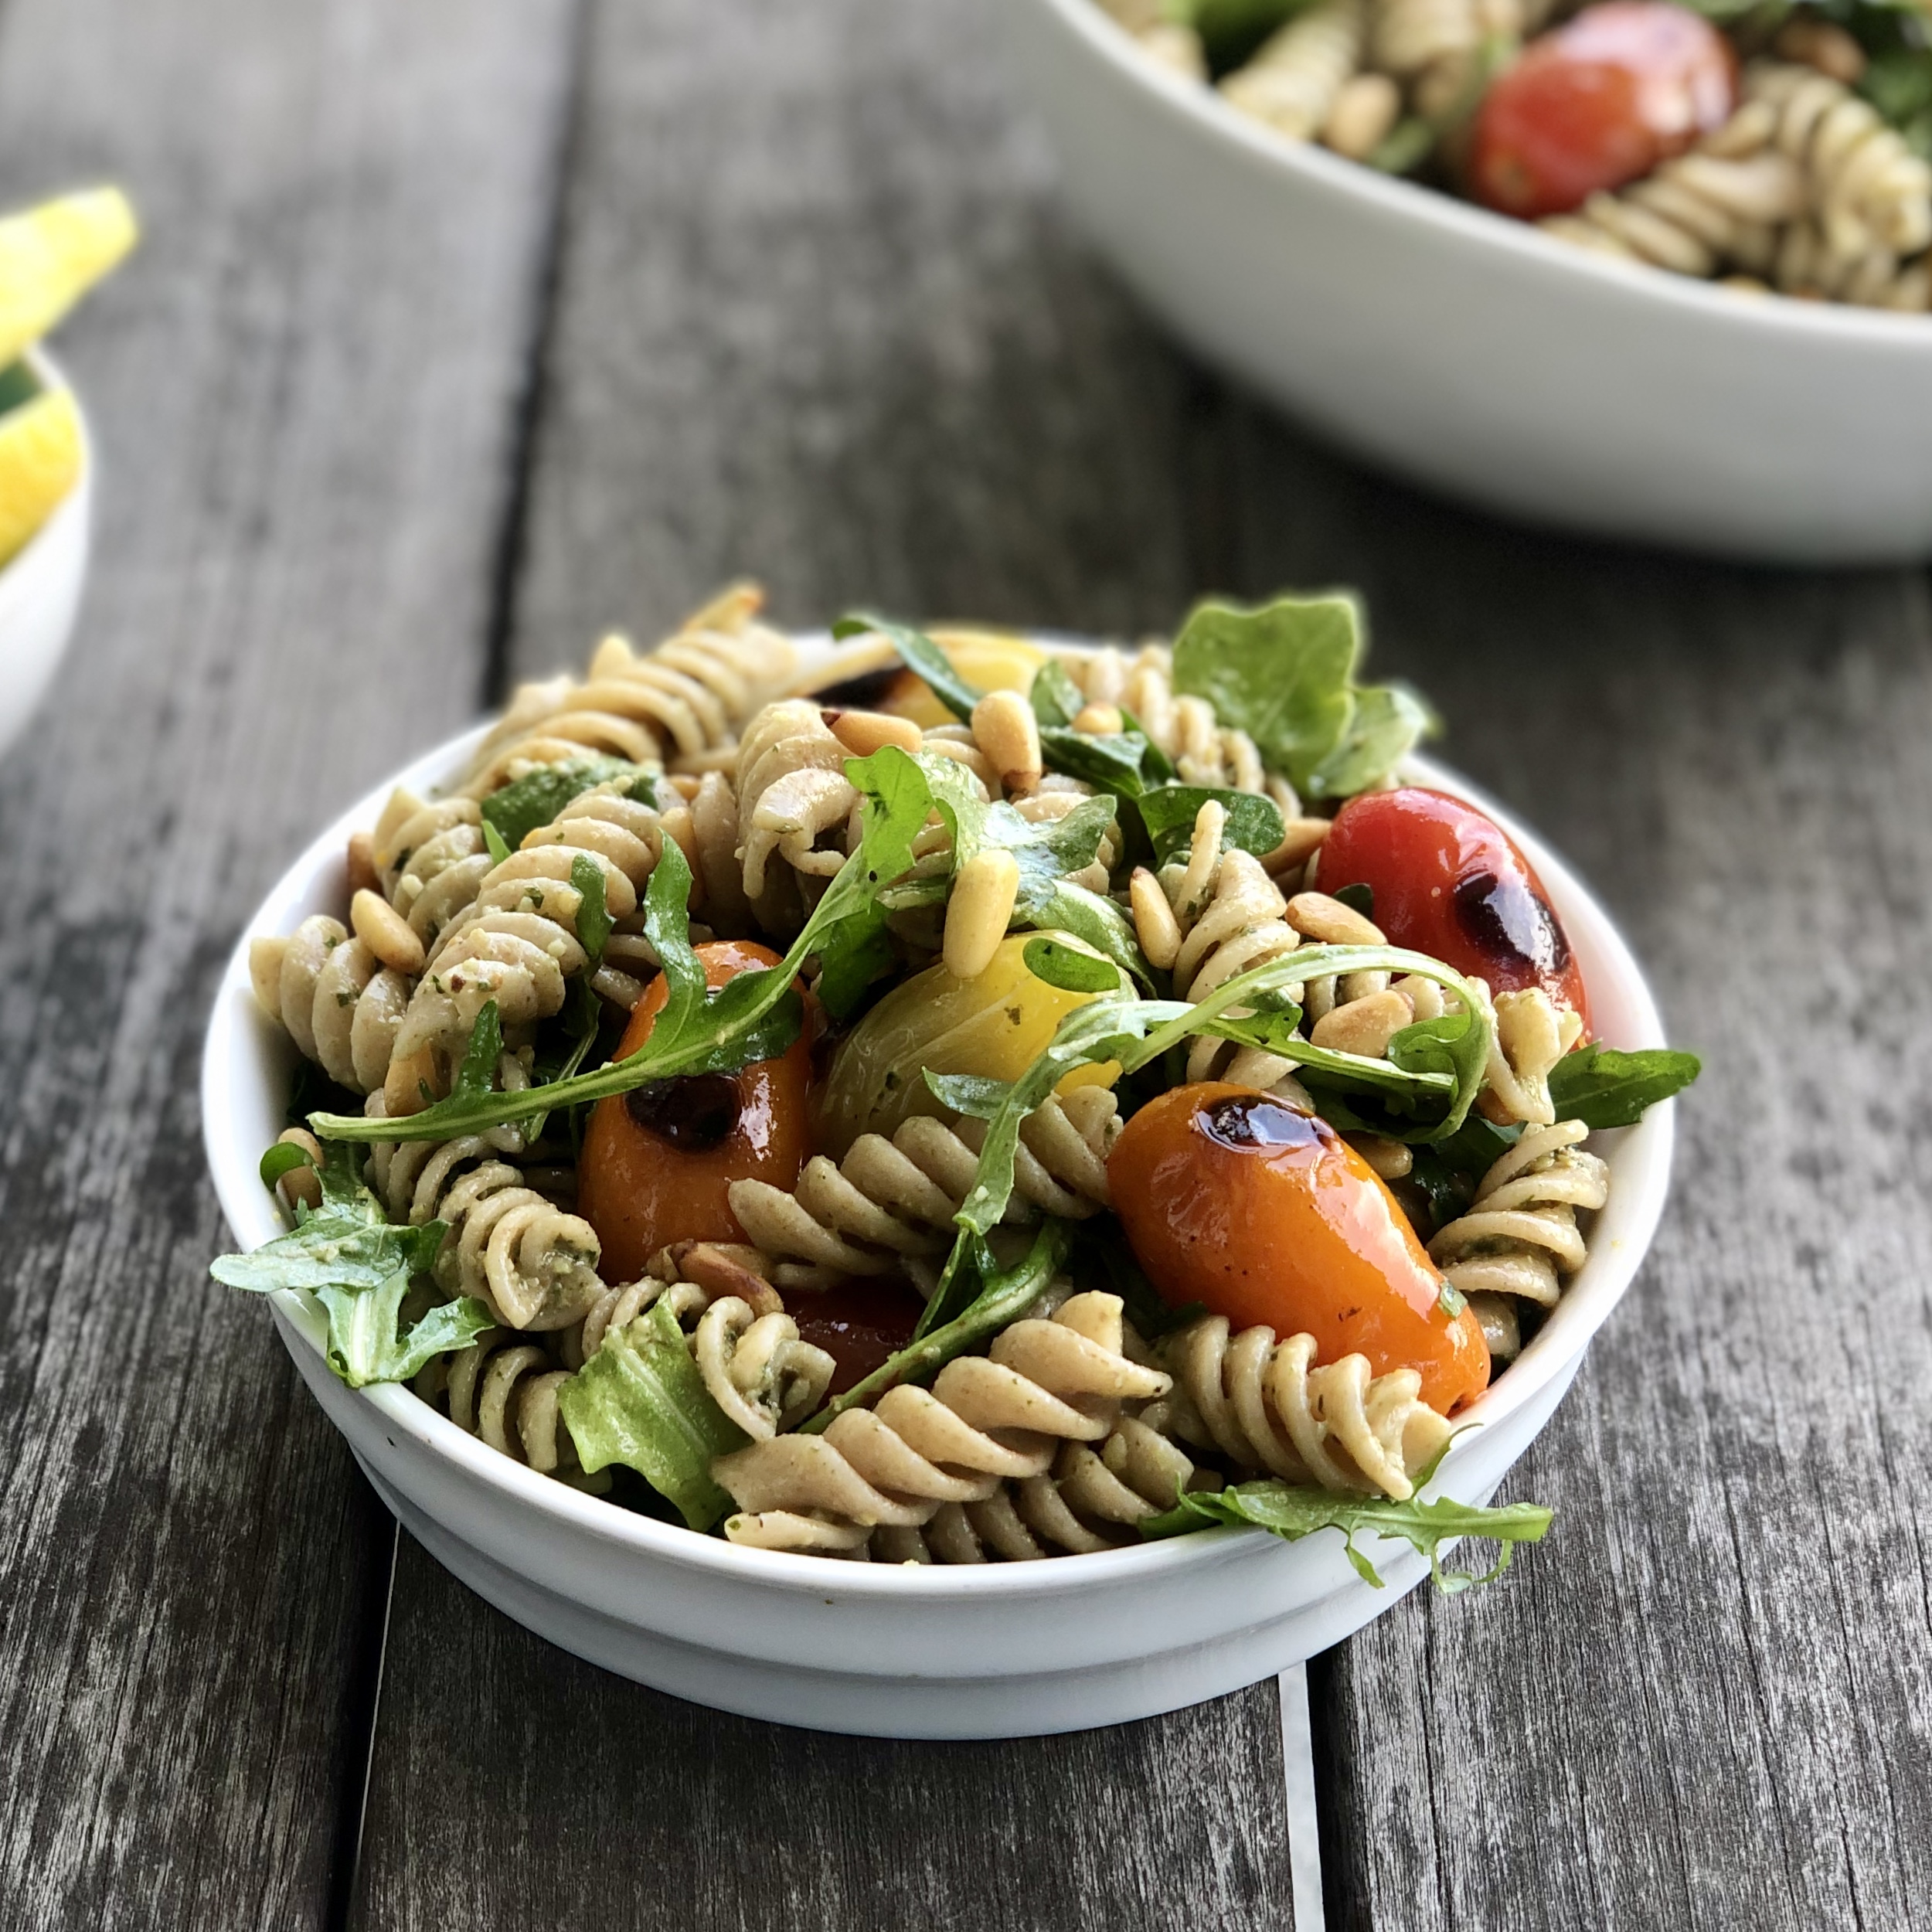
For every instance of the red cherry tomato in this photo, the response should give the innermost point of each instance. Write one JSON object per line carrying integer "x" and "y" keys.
{"x": 1448, "y": 882}
{"x": 861, "y": 1325}
{"x": 658, "y": 1162}
{"x": 1599, "y": 102}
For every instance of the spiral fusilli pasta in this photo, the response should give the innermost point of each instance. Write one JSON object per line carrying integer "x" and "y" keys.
{"x": 1519, "y": 1240}
{"x": 986, "y": 1420}
{"x": 502, "y": 1389}
{"x": 1266, "y": 1406}
{"x": 339, "y": 1004}
{"x": 888, "y": 1207}
{"x": 1291, "y": 84}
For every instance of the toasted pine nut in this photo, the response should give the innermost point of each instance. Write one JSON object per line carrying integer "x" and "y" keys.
{"x": 362, "y": 862}
{"x": 1319, "y": 917}
{"x": 863, "y": 732}
{"x": 385, "y": 933}
{"x": 1363, "y": 1026}
{"x": 684, "y": 784}
{"x": 1004, "y": 728}
{"x": 1154, "y": 925}
{"x": 976, "y": 915}
{"x": 1099, "y": 720}
{"x": 1391, "y": 1159}
{"x": 301, "y": 1184}
{"x": 1364, "y": 111}
{"x": 403, "y": 1085}
{"x": 1820, "y": 44}
{"x": 1304, "y": 841}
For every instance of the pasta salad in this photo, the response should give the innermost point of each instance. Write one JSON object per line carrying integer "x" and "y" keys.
{"x": 966, "y": 1099}
{"x": 1769, "y": 145}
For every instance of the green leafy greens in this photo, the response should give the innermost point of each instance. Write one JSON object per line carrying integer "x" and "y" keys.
{"x": 1603, "y": 1087}
{"x": 640, "y": 1401}
{"x": 1285, "y": 675}
{"x": 1290, "y": 1512}
{"x": 515, "y": 811}
{"x": 359, "y": 1268}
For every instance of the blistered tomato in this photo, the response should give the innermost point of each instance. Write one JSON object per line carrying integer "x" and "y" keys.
{"x": 1448, "y": 881}
{"x": 659, "y": 1161}
{"x": 1266, "y": 1214}
{"x": 860, "y": 1324}
{"x": 1599, "y": 102}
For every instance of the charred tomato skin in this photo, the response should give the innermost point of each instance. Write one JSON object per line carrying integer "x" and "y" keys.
{"x": 658, "y": 1162}
{"x": 1266, "y": 1214}
{"x": 1446, "y": 879}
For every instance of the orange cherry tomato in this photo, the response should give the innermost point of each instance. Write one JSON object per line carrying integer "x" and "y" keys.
{"x": 1235, "y": 1200}
{"x": 657, "y": 1161}
{"x": 1448, "y": 881}
{"x": 1599, "y": 102}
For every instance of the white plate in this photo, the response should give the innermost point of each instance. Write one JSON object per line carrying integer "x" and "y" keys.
{"x": 40, "y": 588}
{"x": 1009, "y": 1650}
{"x": 1476, "y": 353}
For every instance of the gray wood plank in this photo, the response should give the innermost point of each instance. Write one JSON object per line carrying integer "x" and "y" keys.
{"x": 1699, "y": 1705}
{"x": 304, "y": 389}
{"x": 813, "y": 323}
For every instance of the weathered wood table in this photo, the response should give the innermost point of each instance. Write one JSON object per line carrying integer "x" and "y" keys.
{"x": 466, "y": 327}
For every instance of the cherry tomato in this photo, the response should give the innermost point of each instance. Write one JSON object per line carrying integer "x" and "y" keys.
{"x": 657, "y": 1161}
{"x": 1599, "y": 102}
{"x": 860, "y": 1324}
{"x": 1449, "y": 882}
{"x": 1232, "y": 1198}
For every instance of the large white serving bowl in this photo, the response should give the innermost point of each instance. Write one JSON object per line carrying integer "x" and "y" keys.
{"x": 1009, "y": 1650}
{"x": 40, "y": 587}
{"x": 1475, "y": 353}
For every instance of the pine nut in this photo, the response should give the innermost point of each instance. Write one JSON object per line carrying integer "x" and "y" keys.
{"x": 386, "y": 933}
{"x": 403, "y": 1085}
{"x": 1363, "y": 1026}
{"x": 1820, "y": 44}
{"x": 977, "y": 914}
{"x": 1316, "y": 916}
{"x": 1303, "y": 841}
{"x": 1004, "y": 728}
{"x": 863, "y": 732}
{"x": 1154, "y": 925}
{"x": 961, "y": 752}
{"x": 1099, "y": 720}
{"x": 362, "y": 862}
{"x": 1364, "y": 111}
{"x": 301, "y": 1184}
{"x": 1391, "y": 1159}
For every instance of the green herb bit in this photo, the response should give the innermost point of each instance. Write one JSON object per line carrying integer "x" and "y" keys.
{"x": 515, "y": 811}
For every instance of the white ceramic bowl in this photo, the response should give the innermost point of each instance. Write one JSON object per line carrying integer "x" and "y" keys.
{"x": 1010, "y": 1650}
{"x": 1475, "y": 353}
{"x": 40, "y": 588}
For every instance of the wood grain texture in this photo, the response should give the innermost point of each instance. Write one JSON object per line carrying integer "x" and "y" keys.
{"x": 304, "y": 389}
{"x": 813, "y": 323}
{"x": 1701, "y": 1703}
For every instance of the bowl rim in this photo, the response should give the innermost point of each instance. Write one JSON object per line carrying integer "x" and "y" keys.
{"x": 238, "y": 1036}
{"x": 1199, "y": 104}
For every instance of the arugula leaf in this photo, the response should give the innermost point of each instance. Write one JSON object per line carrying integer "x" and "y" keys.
{"x": 495, "y": 844}
{"x": 640, "y": 1401}
{"x": 919, "y": 655}
{"x": 364, "y": 1344}
{"x": 1056, "y": 963}
{"x": 1285, "y": 675}
{"x": 1004, "y": 1298}
{"x": 519, "y": 808}
{"x": 593, "y": 919}
{"x": 1108, "y": 1262}
{"x": 755, "y": 1016}
{"x": 976, "y": 1094}
{"x": 1157, "y": 768}
{"x": 336, "y": 1247}
{"x": 1358, "y": 899}
{"x": 1114, "y": 761}
{"x": 477, "y": 1074}
{"x": 1603, "y": 1087}
{"x": 1055, "y": 698}
{"x": 1291, "y": 1512}
{"x": 1168, "y": 812}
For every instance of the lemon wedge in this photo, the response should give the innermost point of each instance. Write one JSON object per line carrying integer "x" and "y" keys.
{"x": 40, "y": 458}
{"x": 52, "y": 255}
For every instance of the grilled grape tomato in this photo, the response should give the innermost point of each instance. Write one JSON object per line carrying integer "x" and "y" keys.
{"x": 1446, "y": 880}
{"x": 659, "y": 1161}
{"x": 1599, "y": 102}
{"x": 861, "y": 1325}
{"x": 1266, "y": 1214}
